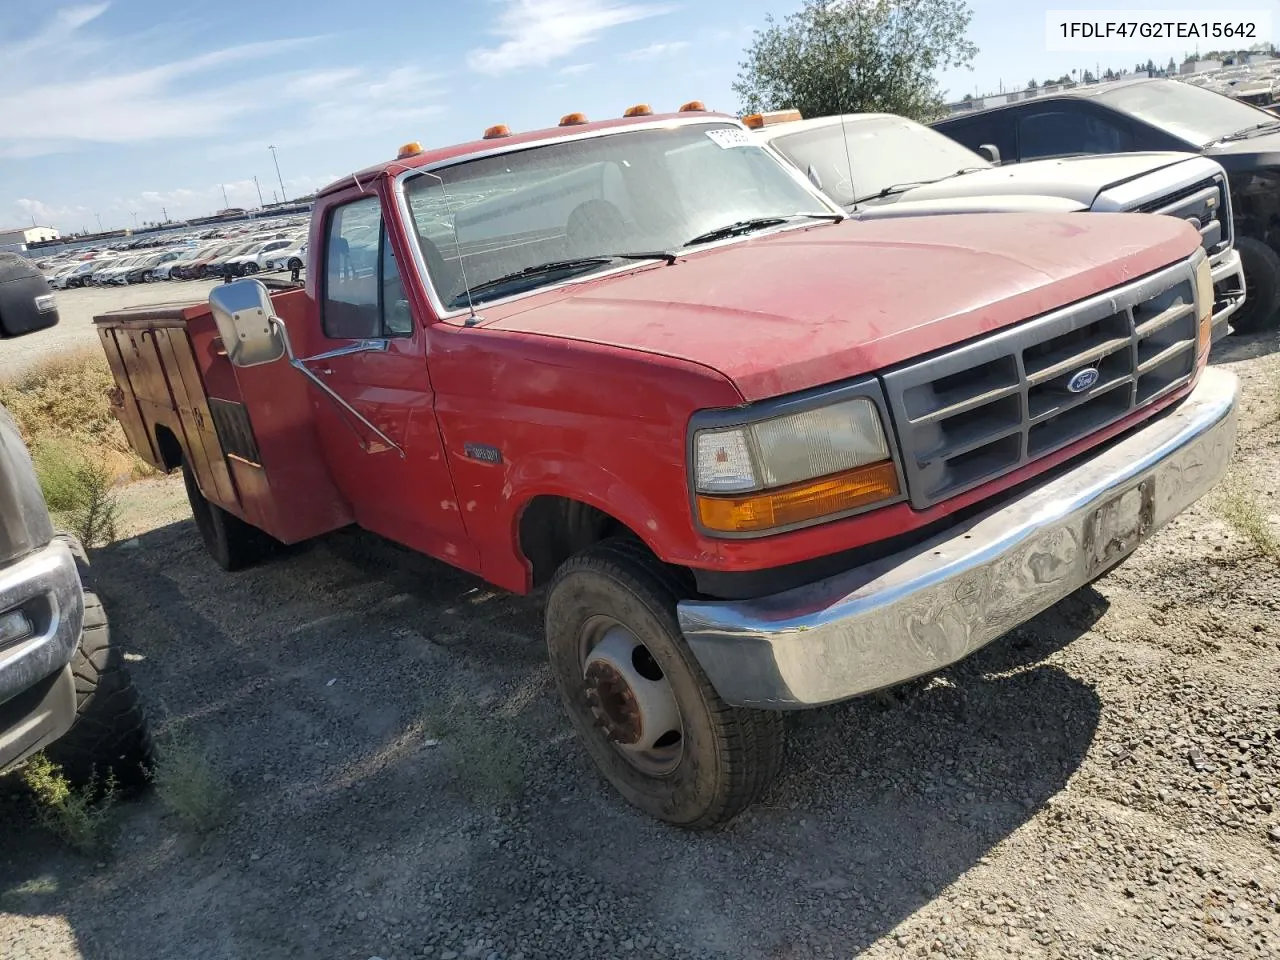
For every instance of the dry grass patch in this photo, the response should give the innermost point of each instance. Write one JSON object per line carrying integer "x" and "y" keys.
{"x": 82, "y": 817}
{"x": 79, "y": 448}
{"x": 188, "y": 782}
{"x": 486, "y": 756}
{"x": 1240, "y": 505}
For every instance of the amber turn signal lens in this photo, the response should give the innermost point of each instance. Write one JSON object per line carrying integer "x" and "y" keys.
{"x": 809, "y": 500}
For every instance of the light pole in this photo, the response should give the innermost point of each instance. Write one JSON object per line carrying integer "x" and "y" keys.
{"x": 134, "y": 214}
{"x": 225, "y": 202}
{"x": 283, "y": 195}
{"x": 99, "y": 216}
{"x": 255, "y": 183}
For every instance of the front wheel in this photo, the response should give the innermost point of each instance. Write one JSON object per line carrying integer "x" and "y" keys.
{"x": 647, "y": 714}
{"x": 108, "y": 738}
{"x": 249, "y": 268}
{"x": 1261, "y": 283}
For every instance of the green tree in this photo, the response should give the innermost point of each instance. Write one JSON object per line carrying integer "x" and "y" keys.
{"x": 1032, "y": 85}
{"x": 835, "y": 56}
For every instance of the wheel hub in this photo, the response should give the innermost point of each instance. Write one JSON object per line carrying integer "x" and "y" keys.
{"x": 630, "y": 698}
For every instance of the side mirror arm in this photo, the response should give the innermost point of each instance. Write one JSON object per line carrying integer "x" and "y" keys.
{"x": 361, "y": 346}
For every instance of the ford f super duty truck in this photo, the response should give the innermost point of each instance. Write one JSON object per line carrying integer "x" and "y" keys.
{"x": 758, "y": 456}
{"x": 64, "y": 687}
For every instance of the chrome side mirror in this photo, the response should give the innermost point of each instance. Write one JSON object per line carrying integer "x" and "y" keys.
{"x": 249, "y": 329}
{"x": 990, "y": 152}
{"x": 812, "y": 174}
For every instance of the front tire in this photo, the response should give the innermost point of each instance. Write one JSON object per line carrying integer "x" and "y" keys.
{"x": 621, "y": 666}
{"x": 109, "y": 736}
{"x": 1262, "y": 286}
{"x": 248, "y": 269}
{"x": 232, "y": 543}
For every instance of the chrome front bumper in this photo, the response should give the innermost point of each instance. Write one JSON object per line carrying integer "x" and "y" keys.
{"x": 1228, "y": 288}
{"x": 924, "y": 608}
{"x": 46, "y": 587}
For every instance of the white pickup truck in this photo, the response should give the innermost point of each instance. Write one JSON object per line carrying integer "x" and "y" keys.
{"x": 878, "y": 165}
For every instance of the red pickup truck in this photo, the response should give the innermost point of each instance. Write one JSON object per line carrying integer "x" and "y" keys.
{"x": 759, "y": 458}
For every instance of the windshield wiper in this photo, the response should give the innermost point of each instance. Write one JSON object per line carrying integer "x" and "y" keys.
{"x": 912, "y": 184}
{"x": 740, "y": 227}
{"x": 557, "y": 266}
{"x": 1241, "y": 134}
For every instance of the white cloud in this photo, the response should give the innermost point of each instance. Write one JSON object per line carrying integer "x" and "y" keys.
{"x": 575, "y": 68}
{"x": 44, "y": 214}
{"x": 75, "y": 17}
{"x": 656, "y": 50}
{"x": 52, "y": 104}
{"x": 536, "y": 32}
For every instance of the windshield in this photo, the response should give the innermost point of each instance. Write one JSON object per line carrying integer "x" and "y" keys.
{"x": 882, "y": 152}
{"x": 601, "y": 196}
{"x": 1190, "y": 113}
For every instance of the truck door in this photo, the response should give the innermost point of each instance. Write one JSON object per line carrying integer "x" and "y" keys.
{"x": 407, "y": 498}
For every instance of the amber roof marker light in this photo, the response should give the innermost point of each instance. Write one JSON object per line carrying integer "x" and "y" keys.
{"x": 693, "y": 106}
{"x": 573, "y": 119}
{"x": 410, "y": 149}
{"x": 758, "y": 120}
{"x": 497, "y": 130}
{"x": 639, "y": 110}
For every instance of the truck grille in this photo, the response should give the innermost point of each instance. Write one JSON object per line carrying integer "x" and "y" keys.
{"x": 1205, "y": 206}
{"x": 975, "y": 412}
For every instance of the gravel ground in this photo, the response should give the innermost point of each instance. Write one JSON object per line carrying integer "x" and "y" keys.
{"x": 1102, "y": 782}
{"x": 77, "y": 308}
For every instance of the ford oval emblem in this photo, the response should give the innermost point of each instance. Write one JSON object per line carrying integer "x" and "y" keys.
{"x": 1082, "y": 380}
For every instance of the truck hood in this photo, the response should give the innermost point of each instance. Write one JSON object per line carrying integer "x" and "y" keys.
{"x": 801, "y": 308}
{"x": 1078, "y": 179}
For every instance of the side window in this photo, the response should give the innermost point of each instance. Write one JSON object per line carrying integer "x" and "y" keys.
{"x": 1058, "y": 133}
{"x": 995, "y": 128}
{"x": 362, "y": 292}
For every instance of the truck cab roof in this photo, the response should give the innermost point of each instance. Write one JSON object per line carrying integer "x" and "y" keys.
{"x": 426, "y": 158}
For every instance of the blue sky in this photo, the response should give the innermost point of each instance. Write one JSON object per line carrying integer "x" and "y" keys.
{"x": 113, "y": 108}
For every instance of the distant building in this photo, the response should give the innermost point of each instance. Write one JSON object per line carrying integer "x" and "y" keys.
{"x": 16, "y": 239}
{"x": 1199, "y": 66}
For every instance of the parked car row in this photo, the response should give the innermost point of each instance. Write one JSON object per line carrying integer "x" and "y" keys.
{"x": 237, "y": 252}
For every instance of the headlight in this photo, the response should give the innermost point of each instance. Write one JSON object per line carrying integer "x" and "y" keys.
{"x": 1204, "y": 302}
{"x": 793, "y": 469}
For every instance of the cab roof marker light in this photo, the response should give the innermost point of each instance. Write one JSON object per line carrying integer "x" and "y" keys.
{"x": 693, "y": 106}
{"x": 639, "y": 110}
{"x": 573, "y": 119}
{"x": 410, "y": 149}
{"x": 497, "y": 130}
{"x": 758, "y": 120}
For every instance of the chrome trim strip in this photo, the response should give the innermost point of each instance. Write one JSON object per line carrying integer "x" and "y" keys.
{"x": 924, "y": 608}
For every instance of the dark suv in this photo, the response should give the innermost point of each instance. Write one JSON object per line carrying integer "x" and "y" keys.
{"x": 64, "y": 687}
{"x": 1150, "y": 114}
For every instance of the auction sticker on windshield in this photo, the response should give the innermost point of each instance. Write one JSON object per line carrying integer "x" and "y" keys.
{"x": 726, "y": 137}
